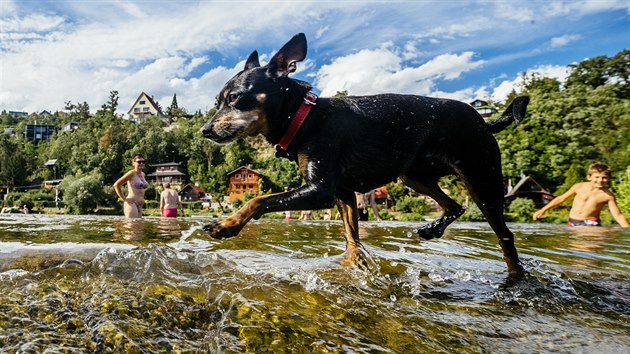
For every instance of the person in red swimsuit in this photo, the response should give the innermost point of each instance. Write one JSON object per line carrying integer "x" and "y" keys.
{"x": 590, "y": 199}
{"x": 169, "y": 201}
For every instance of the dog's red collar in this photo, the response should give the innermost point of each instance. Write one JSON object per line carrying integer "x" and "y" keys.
{"x": 298, "y": 120}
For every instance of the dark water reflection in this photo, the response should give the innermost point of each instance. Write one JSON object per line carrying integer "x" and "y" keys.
{"x": 77, "y": 284}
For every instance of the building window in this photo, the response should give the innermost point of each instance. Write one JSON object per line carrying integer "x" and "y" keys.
{"x": 145, "y": 109}
{"x": 143, "y": 102}
{"x": 136, "y": 110}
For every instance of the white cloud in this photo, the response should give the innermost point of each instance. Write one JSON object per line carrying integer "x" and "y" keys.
{"x": 131, "y": 9}
{"x": 562, "y": 41}
{"x": 381, "y": 70}
{"x": 501, "y": 91}
{"x": 55, "y": 51}
{"x": 581, "y": 7}
{"x": 8, "y": 8}
{"x": 87, "y": 61}
{"x": 320, "y": 32}
{"x": 507, "y": 10}
{"x": 30, "y": 23}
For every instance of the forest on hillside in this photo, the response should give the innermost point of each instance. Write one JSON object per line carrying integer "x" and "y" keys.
{"x": 568, "y": 126}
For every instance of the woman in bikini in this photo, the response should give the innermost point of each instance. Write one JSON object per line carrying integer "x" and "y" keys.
{"x": 136, "y": 184}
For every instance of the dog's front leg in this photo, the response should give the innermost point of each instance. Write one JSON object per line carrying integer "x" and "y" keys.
{"x": 347, "y": 205}
{"x": 307, "y": 197}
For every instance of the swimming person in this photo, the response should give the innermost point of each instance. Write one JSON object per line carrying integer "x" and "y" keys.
{"x": 169, "y": 201}
{"x": 590, "y": 198}
{"x": 136, "y": 185}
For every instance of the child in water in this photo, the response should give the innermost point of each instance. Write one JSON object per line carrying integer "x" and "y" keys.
{"x": 590, "y": 198}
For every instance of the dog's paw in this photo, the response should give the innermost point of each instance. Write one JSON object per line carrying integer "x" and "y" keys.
{"x": 217, "y": 231}
{"x": 430, "y": 232}
{"x": 355, "y": 258}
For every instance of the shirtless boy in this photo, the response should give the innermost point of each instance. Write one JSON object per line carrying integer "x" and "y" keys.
{"x": 590, "y": 198}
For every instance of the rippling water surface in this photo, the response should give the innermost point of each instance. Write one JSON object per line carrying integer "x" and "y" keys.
{"x": 100, "y": 284}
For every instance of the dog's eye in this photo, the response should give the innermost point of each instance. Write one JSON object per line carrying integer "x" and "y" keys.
{"x": 232, "y": 98}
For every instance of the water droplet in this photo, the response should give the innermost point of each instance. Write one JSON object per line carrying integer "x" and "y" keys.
{"x": 392, "y": 297}
{"x": 435, "y": 277}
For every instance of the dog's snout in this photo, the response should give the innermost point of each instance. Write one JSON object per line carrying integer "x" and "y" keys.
{"x": 206, "y": 130}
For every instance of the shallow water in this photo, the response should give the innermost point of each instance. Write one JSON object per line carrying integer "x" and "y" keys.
{"x": 99, "y": 284}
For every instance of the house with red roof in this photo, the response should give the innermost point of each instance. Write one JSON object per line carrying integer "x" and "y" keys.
{"x": 144, "y": 107}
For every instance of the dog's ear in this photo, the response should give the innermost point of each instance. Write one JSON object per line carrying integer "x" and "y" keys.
{"x": 252, "y": 61}
{"x": 283, "y": 63}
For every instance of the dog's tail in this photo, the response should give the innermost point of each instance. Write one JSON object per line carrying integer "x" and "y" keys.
{"x": 514, "y": 112}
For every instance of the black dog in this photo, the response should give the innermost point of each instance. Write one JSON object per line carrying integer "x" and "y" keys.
{"x": 352, "y": 144}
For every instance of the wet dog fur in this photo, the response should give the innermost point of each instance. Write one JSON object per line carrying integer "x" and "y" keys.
{"x": 359, "y": 143}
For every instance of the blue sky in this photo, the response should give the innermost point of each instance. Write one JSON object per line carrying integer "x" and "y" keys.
{"x": 75, "y": 50}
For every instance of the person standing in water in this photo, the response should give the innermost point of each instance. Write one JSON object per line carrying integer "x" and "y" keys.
{"x": 136, "y": 185}
{"x": 169, "y": 201}
{"x": 590, "y": 199}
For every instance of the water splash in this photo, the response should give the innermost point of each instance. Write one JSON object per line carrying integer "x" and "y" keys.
{"x": 279, "y": 287}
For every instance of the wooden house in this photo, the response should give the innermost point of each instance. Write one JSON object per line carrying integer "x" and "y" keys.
{"x": 484, "y": 109}
{"x": 193, "y": 193}
{"x": 171, "y": 172}
{"x": 243, "y": 180}
{"x": 144, "y": 107}
{"x": 528, "y": 188}
{"x": 54, "y": 167}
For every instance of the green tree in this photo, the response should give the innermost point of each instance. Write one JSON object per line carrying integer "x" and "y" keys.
{"x": 84, "y": 193}
{"x": 112, "y": 102}
{"x": 592, "y": 72}
{"x": 417, "y": 205}
{"x": 7, "y": 120}
{"x": 618, "y": 68}
{"x": 622, "y": 191}
{"x": 13, "y": 162}
{"x": 521, "y": 209}
{"x": 576, "y": 124}
{"x": 174, "y": 110}
{"x": 78, "y": 112}
{"x": 574, "y": 174}
{"x": 397, "y": 190}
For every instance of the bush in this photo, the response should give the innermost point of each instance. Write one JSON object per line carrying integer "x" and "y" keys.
{"x": 26, "y": 199}
{"x": 192, "y": 206}
{"x": 473, "y": 213}
{"x": 385, "y": 215}
{"x": 622, "y": 192}
{"x": 83, "y": 193}
{"x": 414, "y": 205}
{"x": 411, "y": 217}
{"x": 521, "y": 209}
{"x": 43, "y": 195}
{"x": 397, "y": 191}
{"x": 238, "y": 203}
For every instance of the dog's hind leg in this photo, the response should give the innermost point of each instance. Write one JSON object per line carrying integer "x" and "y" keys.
{"x": 347, "y": 205}
{"x": 452, "y": 210}
{"x": 484, "y": 182}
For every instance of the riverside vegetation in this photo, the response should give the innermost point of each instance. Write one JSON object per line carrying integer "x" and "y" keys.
{"x": 568, "y": 125}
